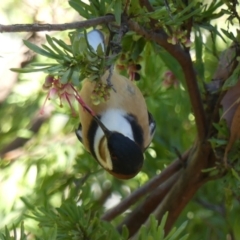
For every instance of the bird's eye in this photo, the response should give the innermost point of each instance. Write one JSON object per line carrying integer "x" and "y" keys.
{"x": 113, "y": 156}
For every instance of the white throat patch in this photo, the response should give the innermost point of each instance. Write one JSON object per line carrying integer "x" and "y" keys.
{"x": 115, "y": 121}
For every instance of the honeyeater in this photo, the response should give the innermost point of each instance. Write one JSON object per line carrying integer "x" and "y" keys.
{"x": 121, "y": 129}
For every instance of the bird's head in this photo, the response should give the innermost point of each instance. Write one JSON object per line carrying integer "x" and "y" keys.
{"x": 126, "y": 157}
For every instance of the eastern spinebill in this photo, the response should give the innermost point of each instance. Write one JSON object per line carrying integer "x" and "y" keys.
{"x": 121, "y": 129}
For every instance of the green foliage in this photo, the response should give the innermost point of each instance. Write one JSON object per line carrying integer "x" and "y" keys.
{"x": 70, "y": 221}
{"x": 156, "y": 231}
{"x": 8, "y": 236}
{"x": 210, "y": 217}
{"x": 232, "y": 80}
{"x": 75, "y": 62}
{"x": 220, "y": 138}
{"x": 98, "y": 8}
{"x": 52, "y": 167}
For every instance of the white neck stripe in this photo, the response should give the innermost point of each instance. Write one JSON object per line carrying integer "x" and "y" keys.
{"x": 115, "y": 121}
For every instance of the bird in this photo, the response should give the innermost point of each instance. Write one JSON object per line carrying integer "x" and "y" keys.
{"x": 121, "y": 128}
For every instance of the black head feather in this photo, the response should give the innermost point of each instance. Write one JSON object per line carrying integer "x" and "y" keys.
{"x": 127, "y": 157}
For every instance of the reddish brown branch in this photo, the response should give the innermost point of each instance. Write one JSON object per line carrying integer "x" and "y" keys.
{"x": 148, "y": 6}
{"x": 191, "y": 179}
{"x": 56, "y": 27}
{"x": 148, "y": 187}
{"x": 146, "y": 3}
{"x": 184, "y": 59}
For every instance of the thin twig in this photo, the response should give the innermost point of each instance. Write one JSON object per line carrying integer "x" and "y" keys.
{"x": 56, "y": 27}
{"x": 148, "y": 6}
{"x": 219, "y": 208}
{"x": 108, "y": 80}
{"x": 82, "y": 103}
{"x": 115, "y": 46}
{"x": 146, "y": 3}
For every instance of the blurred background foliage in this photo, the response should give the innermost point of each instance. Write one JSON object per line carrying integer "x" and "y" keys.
{"x": 52, "y": 165}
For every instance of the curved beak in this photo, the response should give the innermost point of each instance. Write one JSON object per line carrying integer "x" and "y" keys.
{"x": 102, "y": 126}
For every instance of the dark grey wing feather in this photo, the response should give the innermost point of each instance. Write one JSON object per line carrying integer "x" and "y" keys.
{"x": 152, "y": 127}
{"x": 78, "y": 132}
{"x": 152, "y": 124}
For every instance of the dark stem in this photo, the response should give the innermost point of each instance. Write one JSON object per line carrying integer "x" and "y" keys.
{"x": 56, "y": 27}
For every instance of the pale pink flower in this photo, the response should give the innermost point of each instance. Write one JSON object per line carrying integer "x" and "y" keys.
{"x": 169, "y": 80}
{"x": 65, "y": 93}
